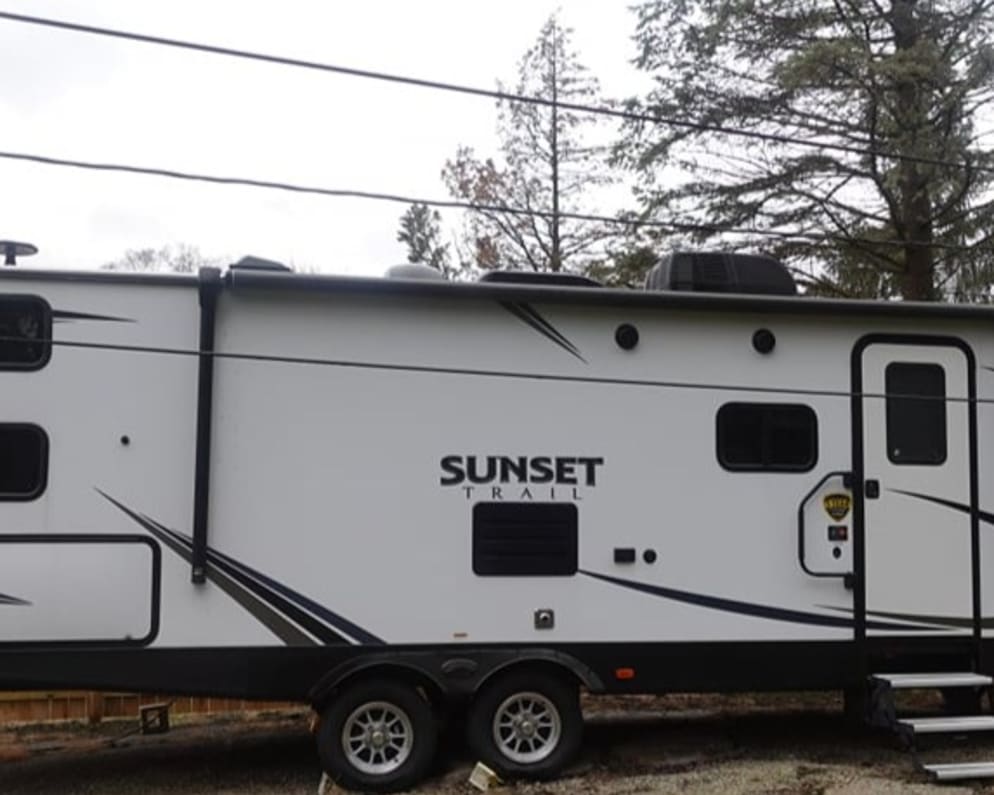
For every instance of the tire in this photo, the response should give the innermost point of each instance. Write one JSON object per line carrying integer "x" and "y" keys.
{"x": 397, "y": 758}
{"x": 526, "y": 724}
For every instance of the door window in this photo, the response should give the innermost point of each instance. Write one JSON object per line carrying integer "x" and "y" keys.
{"x": 916, "y": 413}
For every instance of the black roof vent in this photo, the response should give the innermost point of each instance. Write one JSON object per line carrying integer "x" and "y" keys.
{"x": 260, "y": 264}
{"x": 717, "y": 272}
{"x": 558, "y": 278}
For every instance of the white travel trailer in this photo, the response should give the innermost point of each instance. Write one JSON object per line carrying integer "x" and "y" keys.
{"x": 398, "y": 498}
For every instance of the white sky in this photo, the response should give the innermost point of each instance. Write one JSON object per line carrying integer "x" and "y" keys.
{"x": 92, "y": 98}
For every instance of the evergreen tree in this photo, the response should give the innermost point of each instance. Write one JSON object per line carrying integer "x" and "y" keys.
{"x": 899, "y": 83}
{"x": 546, "y": 164}
{"x": 420, "y": 231}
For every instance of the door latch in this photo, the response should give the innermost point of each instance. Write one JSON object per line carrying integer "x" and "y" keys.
{"x": 872, "y": 489}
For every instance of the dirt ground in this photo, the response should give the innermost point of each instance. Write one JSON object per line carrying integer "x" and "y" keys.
{"x": 704, "y": 745}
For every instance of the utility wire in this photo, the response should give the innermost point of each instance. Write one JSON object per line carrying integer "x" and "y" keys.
{"x": 438, "y": 85}
{"x": 434, "y": 370}
{"x": 673, "y": 226}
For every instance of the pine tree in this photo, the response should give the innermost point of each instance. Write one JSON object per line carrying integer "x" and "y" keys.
{"x": 898, "y": 82}
{"x": 546, "y": 164}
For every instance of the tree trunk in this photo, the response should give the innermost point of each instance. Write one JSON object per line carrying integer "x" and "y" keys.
{"x": 556, "y": 260}
{"x": 915, "y": 223}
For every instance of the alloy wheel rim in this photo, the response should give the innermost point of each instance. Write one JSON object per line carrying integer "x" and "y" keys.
{"x": 377, "y": 738}
{"x": 527, "y": 728}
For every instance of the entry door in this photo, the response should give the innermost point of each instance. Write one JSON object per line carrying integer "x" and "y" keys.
{"x": 917, "y": 464}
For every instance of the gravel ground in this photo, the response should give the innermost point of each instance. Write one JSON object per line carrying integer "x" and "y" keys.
{"x": 774, "y": 745}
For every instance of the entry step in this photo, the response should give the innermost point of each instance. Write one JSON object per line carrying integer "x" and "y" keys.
{"x": 950, "y": 724}
{"x": 956, "y": 772}
{"x": 909, "y": 681}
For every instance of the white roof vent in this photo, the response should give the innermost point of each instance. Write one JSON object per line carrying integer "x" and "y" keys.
{"x": 414, "y": 270}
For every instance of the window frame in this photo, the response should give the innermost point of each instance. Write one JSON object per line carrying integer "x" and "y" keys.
{"x": 764, "y": 466}
{"x": 39, "y": 490}
{"x": 45, "y": 331}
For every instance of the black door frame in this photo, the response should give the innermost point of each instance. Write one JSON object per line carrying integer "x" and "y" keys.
{"x": 859, "y": 477}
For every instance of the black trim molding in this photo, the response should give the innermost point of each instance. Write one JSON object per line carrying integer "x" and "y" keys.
{"x": 210, "y": 289}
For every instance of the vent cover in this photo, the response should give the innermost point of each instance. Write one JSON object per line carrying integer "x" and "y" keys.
{"x": 717, "y": 272}
{"x": 515, "y": 539}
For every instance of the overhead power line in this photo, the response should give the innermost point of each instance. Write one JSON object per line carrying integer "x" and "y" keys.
{"x": 439, "y": 85}
{"x": 672, "y": 226}
{"x": 487, "y": 373}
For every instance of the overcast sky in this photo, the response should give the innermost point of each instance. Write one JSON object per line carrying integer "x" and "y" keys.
{"x": 92, "y": 98}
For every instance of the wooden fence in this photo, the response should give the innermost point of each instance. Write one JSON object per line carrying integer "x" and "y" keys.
{"x": 41, "y": 706}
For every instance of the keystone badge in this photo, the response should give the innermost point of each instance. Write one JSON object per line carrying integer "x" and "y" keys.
{"x": 837, "y": 505}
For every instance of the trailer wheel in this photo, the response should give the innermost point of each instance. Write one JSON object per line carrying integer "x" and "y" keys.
{"x": 526, "y": 724}
{"x": 377, "y": 736}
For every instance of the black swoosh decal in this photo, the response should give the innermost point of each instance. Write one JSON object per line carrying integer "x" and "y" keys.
{"x": 268, "y": 617}
{"x": 302, "y": 619}
{"x": 956, "y": 506}
{"x": 748, "y": 608}
{"x": 286, "y": 601}
{"x": 59, "y": 315}
{"x": 952, "y": 622}
{"x": 274, "y": 592}
{"x": 339, "y": 622}
{"x": 6, "y": 599}
{"x": 529, "y": 315}
{"x": 948, "y": 621}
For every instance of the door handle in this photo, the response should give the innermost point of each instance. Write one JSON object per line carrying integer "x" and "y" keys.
{"x": 872, "y": 489}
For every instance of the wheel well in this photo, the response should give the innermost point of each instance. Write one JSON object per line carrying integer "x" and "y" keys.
{"x": 383, "y": 670}
{"x": 551, "y": 667}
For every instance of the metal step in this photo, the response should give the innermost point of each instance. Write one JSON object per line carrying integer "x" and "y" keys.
{"x": 909, "y": 681}
{"x": 950, "y": 724}
{"x": 955, "y": 772}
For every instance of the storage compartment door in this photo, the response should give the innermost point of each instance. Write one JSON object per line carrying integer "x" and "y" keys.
{"x": 84, "y": 589}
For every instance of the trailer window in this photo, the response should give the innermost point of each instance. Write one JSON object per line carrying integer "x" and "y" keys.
{"x": 513, "y": 539}
{"x": 25, "y": 332}
{"x": 23, "y": 461}
{"x": 916, "y": 413}
{"x": 767, "y": 437}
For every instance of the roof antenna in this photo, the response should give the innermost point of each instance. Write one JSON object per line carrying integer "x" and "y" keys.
{"x": 12, "y": 250}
